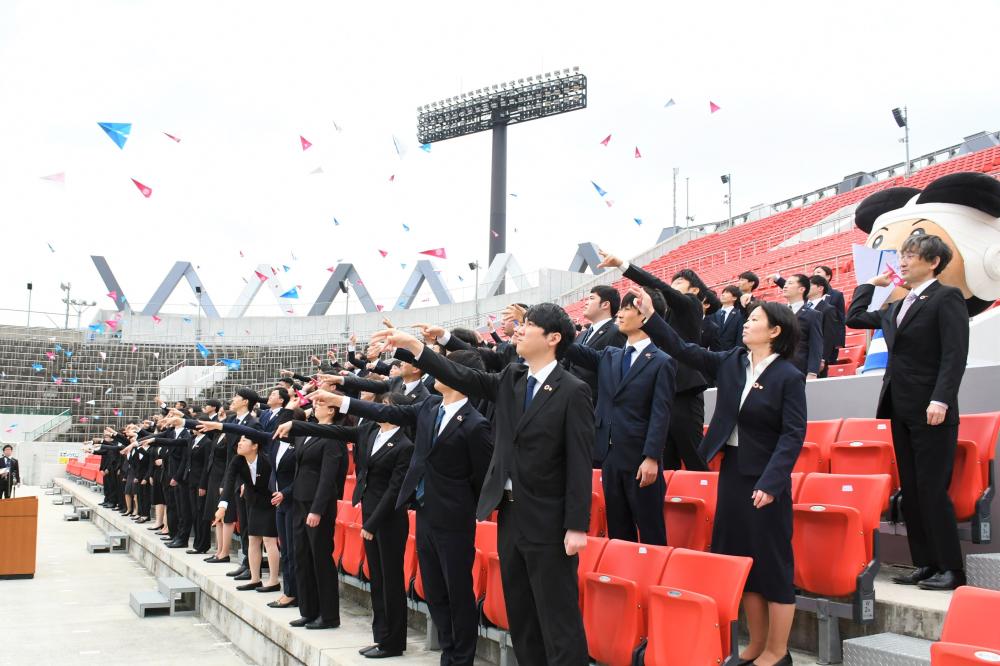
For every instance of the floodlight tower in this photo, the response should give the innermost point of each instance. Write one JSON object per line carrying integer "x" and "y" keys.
{"x": 494, "y": 108}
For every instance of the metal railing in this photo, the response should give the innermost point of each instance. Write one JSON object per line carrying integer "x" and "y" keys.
{"x": 56, "y": 421}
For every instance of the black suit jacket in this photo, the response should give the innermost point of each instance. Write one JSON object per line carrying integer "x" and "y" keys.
{"x": 607, "y": 336}
{"x": 452, "y": 465}
{"x": 255, "y": 490}
{"x": 927, "y": 352}
{"x": 320, "y": 470}
{"x": 772, "y": 421}
{"x": 391, "y": 385}
{"x": 830, "y": 324}
{"x": 633, "y": 411}
{"x": 14, "y": 475}
{"x": 730, "y": 329}
{"x": 379, "y": 476}
{"x": 810, "y": 348}
{"x": 495, "y": 360}
{"x": 684, "y": 315}
{"x": 546, "y": 450}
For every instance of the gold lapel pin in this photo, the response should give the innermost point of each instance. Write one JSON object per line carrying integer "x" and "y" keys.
{"x": 758, "y": 386}
{"x": 547, "y": 387}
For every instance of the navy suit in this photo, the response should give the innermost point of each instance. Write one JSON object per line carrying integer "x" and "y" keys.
{"x": 810, "y": 348}
{"x": 607, "y": 336}
{"x": 633, "y": 418}
{"x": 730, "y": 329}
{"x": 830, "y": 326}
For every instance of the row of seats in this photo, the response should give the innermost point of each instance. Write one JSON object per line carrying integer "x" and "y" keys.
{"x": 969, "y": 636}
{"x": 89, "y": 468}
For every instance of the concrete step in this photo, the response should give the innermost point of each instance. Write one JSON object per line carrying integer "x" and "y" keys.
{"x": 57, "y": 500}
{"x": 118, "y": 542}
{"x": 84, "y": 512}
{"x": 98, "y": 546}
{"x": 983, "y": 570}
{"x": 71, "y": 515}
{"x": 887, "y": 650}
{"x": 149, "y": 602}
{"x": 183, "y": 595}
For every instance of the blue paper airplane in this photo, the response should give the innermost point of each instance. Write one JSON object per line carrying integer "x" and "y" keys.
{"x": 406, "y": 227}
{"x": 231, "y": 363}
{"x": 291, "y": 293}
{"x": 598, "y": 188}
{"x": 202, "y": 349}
{"x": 37, "y": 367}
{"x": 118, "y": 132}
{"x": 287, "y": 268}
{"x": 637, "y": 221}
{"x": 426, "y": 147}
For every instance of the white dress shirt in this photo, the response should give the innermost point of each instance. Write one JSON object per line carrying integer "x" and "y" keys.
{"x": 253, "y": 479}
{"x": 449, "y": 411}
{"x": 382, "y": 437}
{"x": 752, "y": 374}
{"x": 596, "y": 327}
{"x": 409, "y": 386}
{"x": 639, "y": 345}
{"x": 796, "y": 306}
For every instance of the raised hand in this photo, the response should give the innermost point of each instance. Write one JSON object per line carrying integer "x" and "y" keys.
{"x": 282, "y": 430}
{"x": 609, "y": 260}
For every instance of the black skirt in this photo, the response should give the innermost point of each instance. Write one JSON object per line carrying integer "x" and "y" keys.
{"x": 260, "y": 515}
{"x": 158, "y": 497}
{"x": 764, "y": 534}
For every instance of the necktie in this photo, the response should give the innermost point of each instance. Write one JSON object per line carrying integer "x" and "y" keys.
{"x": 907, "y": 302}
{"x": 530, "y": 393}
{"x": 586, "y": 335}
{"x": 437, "y": 427}
{"x": 437, "y": 423}
{"x": 808, "y": 305}
{"x": 627, "y": 359}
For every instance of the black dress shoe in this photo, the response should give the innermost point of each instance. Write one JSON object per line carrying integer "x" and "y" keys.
{"x": 380, "y": 653}
{"x": 192, "y": 551}
{"x": 243, "y": 576}
{"x": 946, "y": 580}
{"x": 784, "y": 661}
{"x": 237, "y": 572}
{"x": 217, "y": 560}
{"x": 915, "y": 576}
{"x": 365, "y": 650}
{"x": 270, "y": 588}
{"x": 320, "y": 623}
{"x": 177, "y": 544}
{"x": 278, "y": 604}
{"x": 154, "y": 528}
{"x": 301, "y": 622}
{"x": 249, "y": 586}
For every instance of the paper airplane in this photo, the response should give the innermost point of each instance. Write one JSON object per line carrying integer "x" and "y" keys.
{"x": 305, "y": 143}
{"x": 56, "y": 178}
{"x": 336, "y": 222}
{"x": 260, "y": 276}
{"x": 392, "y": 178}
{"x": 50, "y": 355}
{"x": 436, "y": 252}
{"x": 202, "y": 349}
{"x": 426, "y": 147}
{"x": 713, "y": 107}
{"x": 37, "y": 367}
{"x": 286, "y": 268}
{"x": 108, "y": 392}
{"x": 146, "y": 191}
{"x": 406, "y": 227}
{"x": 291, "y": 293}
{"x": 598, "y": 188}
{"x": 118, "y": 132}
{"x": 383, "y": 253}
{"x": 670, "y": 102}
{"x": 606, "y": 141}
{"x": 495, "y": 234}
{"x": 171, "y": 136}
{"x": 637, "y": 153}
{"x": 400, "y": 148}
{"x": 231, "y": 363}
{"x": 52, "y": 249}
{"x": 637, "y": 221}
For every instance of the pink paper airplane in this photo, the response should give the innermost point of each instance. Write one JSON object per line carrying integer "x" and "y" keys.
{"x": 134, "y": 349}
{"x": 379, "y": 308}
{"x": 171, "y": 136}
{"x": 241, "y": 254}
{"x": 392, "y": 178}
{"x": 146, "y": 191}
{"x": 260, "y": 276}
{"x": 437, "y": 252}
{"x": 713, "y": 107}
{"x": 332, "y": 268}
{"x": 50, "y": 355}
{"x": 56, "y": 178}
{"x": 156, "y": 320}
{"x": 305, "y": 143}
{"x": 383, "y": 253}
{"x": 113, "y": 295}
{"x": 606, "y": 141}
{"x": 637, "y": 153}
{"x": 495, "y": 234}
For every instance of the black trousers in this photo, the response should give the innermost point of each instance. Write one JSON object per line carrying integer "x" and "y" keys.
{"x": 143, "y": 494}
{"x": 5, "y": 487}
{"x": 385, "y": 563}
{"x": 170, "y": 499}
{"x": 542, "y": 595}
{"x": 201, "y": 527}
{"x": 446, "y": 558}
{"x": 925, "y": 456}
{"x": 687, "y": 423}
{"x": 110, "y": 483}
{"x": 634, "y": 513}
{"x": 283, "y": 516}
{"x": 182, "y": 497}
{"x": 316, "y": 577}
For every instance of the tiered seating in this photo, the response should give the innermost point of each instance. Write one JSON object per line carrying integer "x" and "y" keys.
{"x": 973, "y": 479}
{"x": 689, "y": 509}
{"x": 969, "y": 635}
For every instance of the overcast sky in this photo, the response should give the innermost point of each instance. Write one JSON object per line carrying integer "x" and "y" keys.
{"x": 805, "y": 90}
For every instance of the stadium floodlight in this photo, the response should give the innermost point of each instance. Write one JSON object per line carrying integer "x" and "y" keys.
{"x": 902, "y": 119}
{"x": 727, "y": 179}
{"x": 495, "y": 108}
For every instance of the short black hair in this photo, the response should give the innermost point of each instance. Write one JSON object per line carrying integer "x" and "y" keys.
{"x": 283, "y": 394}
{"x": 692, "y": 278}
{"x": 287, "y": 380}
{"x": 733, "y": 291}
{"x": 466, "y": 335}
{"x": 553, "y": 319}
{"x": 781, "y": 315}
{"x": 655, "y": 297}
{"x": 8, "y": 446}
{"x": 182, "y": 403}
{"x": 820, "y": 281}
{"x": 394, "y": 398}
{"x": 826, "y": 271}
{"x": 751, "y": 277}
{"x": 928, "y": 247}
{"x": 803, "y": 282}
{"x": 214, "y": 402}
{"x": 609, "y": 294}
{"x": 469, "y": 358}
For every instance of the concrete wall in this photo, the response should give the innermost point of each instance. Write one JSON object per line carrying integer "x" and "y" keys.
{"x": 43, "y": 461}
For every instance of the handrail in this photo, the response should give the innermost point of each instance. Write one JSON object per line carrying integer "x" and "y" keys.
{"x": 63, "y": 417}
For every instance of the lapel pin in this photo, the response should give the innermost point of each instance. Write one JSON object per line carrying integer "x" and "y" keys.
{"x": 547, "y": 387}
{"x": 459, "y": 418}
{"x": 923, "y": 296}
{"x": 758, "y": 386}
{"x": 389, "y": 444}
{"x": 648, "y": 355}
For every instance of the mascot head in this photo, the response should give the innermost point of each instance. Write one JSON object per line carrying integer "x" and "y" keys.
{"x": 963, "y": 209}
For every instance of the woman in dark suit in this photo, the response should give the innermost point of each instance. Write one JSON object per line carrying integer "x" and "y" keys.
{"x": 758, "y": 427}
{"x": 252, "y": 471}
{"x": 382, "y": 455}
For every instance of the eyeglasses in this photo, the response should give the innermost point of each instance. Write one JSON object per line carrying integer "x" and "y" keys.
{"x": 909, "y": 256}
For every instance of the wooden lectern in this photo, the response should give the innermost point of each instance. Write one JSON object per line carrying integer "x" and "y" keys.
{"x": 18, "y": 536}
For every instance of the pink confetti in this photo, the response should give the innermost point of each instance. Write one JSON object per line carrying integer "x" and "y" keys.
{"x": 146, "y": 191}
{"x": 305, "y": 143}
{"x": 436, "y": 252}
{"x": 606, "y": 141}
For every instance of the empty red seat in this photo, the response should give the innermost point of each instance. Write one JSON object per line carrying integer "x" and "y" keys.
{"x": 851, "y": 354}
{"x": 598, "y": 516}
{"x": 616, "y": 598}
{"x": 596, "y": 485}
{"x": 693, "y": 612}
{"x": 864, "y": 457}
{"x": 494, "y": 605}
{"x": 689, "y": 509}
{"x": 977, "y": 436}
{"x": 810, "y": 459}
{"x": 346, "y": 514}
{"x": 835, "y": 520}
{"x": 352, "y": 558}
{"x": 873, "y": 430}
{"x": 797, "y": 479}
{"x": 486, "y": 543}
{"x": 410, "y": 553}
{"x": 846, "y": 369}
{"x": 971, "y": 618}
{"x": 956, "y": 654}
{"x": 855, "y": 340}
{"x": 823, "y": 433}
{"x": 588, "y": 559}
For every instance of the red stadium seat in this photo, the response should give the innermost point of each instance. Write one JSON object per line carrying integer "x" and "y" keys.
{"x": 972, "y": 474}
{"x": 350, "y": 459}
{"x": 846, "y": 369}
{"x": 346, "y": 514}
{"x": 864, "y": 457}
{"x": 596, "y": 485}
{"x": 689, "y": 509}
{"x": 956, "y": 654}
{"x": 353, "y": 557}
{"x": 872, "y": 430}
{"x": 486, "y": 543}
{"x": 853, "y": 355}
{"x": 494, "y": 605}
{"x": 693, "y": 612}
{"x": 598, "y": 516}
{"x": 616, "y": 598}
{"x": 835, "y": 522}
{"x": 667, "y": 475}
{"x": 810, "y": 459}
{"x": 349, "y": 484}
{"x": 856, "y": 339}
{"x": 972, "y": 618}
{"x": 588, "y": 559}
{"x": 823, "y": 433}
{"x": 797, "y": 479}
{"x": 410, "y": 553}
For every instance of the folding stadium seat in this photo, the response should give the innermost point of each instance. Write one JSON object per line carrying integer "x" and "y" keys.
{"x": 864, "y": 457}
{"x": 972, "y": 479}
{"x": 872, "y": 430}
{"x": 598, "y": 516}
{"x": 353, "y": 556}
{"x": 810, "y": 459}
{"x": 494, "y": 606}
{"x": 846, "y": 369}
{"x": 349, "y": 484}
{"x": 689, "y": 509}
{"x": 588, "y": 559}
{"x": 596, "y": 484}
{"x": 855, "y": 354}
{"x": 956, "y": 654}
{"x": 797, "y": 479}
{"x": 410, "y": 553}
{"x": 486, "y": 543}
{"x": 350, "y": 459}
{"x": 616, "y": 597}
{"x": 346, "y": 514}
{"x": 667, "y": 475}
{"x": 970, "y": 623}
{"x": 823, "y": 433}
{"x": 694, "y": 610}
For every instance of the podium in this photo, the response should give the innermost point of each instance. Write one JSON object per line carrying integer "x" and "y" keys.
{"x": 18, "y": 537}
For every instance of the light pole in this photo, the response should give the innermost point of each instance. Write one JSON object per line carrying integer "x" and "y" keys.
{"x": 28, "y": 325}
{"x": 197, "y": 329}
{"x": 66, "y": 286}
{"x": 347, "y": 305}
{"x": 676, "y": 171}
{"x": 903, "y": 120}
{"x": 80, "y": 306}
{"x": 727, "y": 179}
{"x": 688, "y": 219}
{"x": 474, "y": 265}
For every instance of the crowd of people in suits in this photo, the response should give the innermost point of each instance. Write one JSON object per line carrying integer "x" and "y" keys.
{"x": 460, "y": 426}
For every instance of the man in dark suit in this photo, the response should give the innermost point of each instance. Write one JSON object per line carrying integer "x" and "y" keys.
{"x": 539, "y": 478}
{"x": 927, "y": 334}
{"x": 196, "y": 459}
{"x": 180, "y": 511}
{"x": 602, "y": 307}
{"x": 833, "y": 297}
{"x": 408, "y": 382}
{"x": 684, "y": 315}
{"x": 635, "y": 392}
{"x": 451, "y": 454}
{"x": 833, "y": 325}
{"x": 809, "y": 351}
{"x": 730, "y": 319}
{"x": 11, "y": 476}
